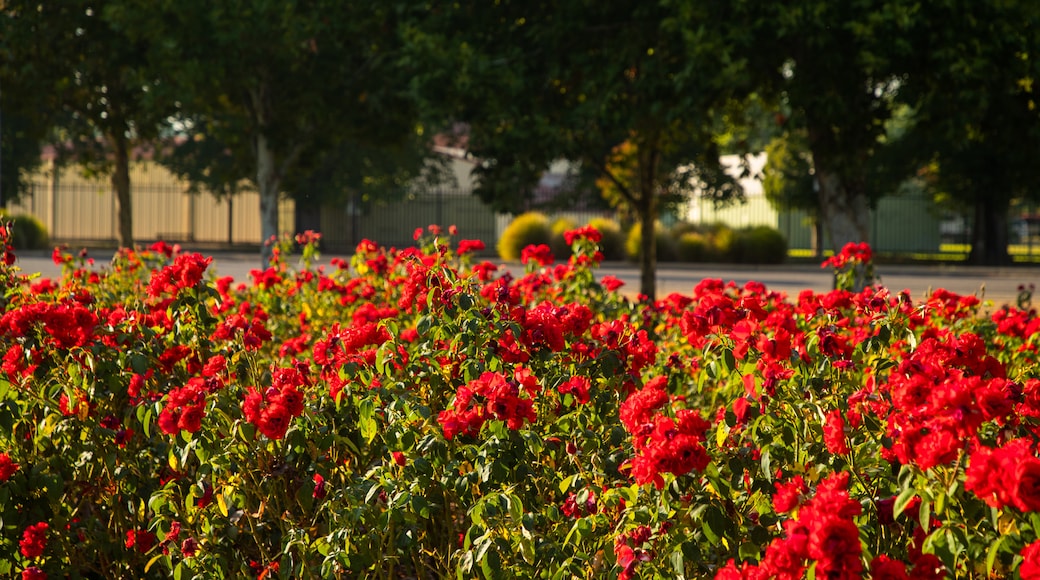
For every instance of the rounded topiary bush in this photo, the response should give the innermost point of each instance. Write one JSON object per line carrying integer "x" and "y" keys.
{"x": 560, "y": 249}
{"x": 665, "y": 243}
{"x": 613, "y": 243}
{"x": 526, "y": 229}
{"x": 679, "y": 229}
{"x": 759, "y": 245}
{"x": 720, "y": 247}
{"x": 27, "y": 232}
{"x": 693, "y": 247}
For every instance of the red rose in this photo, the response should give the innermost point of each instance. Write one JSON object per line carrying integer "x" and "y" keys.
{"x": 7, "y": 467}
{"x": 1025, "y": 481}
{"x": 1030, "y": 568}
{"x": 34, "y": 540}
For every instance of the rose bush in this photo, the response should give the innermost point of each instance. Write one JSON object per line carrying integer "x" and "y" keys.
{"x": 412, "y": 414}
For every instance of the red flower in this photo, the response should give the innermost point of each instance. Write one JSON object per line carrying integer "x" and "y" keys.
{"x": 467, "y": 246}
{"x": 33, "y": 573}
{"x": 319, "y": 487}
{"x": 399, "y": 458}
{"x": 885, "y": 568}
{"x": 540, "y": 253}
{"x": 184, "y": 410}
{"x": 7, "y": 467}
{"x": 852, "y": 253}
{"x": 788, "y": 495}
{"x": 834, "y": 433}
{"x": 188, "y": 547}
{"x": 273, "y": 410}
{"x": 34, "y": 540}
{"x": 611, "y": 283}
{"x": 141, "y": 540}
{"x": 1030, "y": 568}
{"x": 578, "y": 387}
{"x": 586, "y": 232}
{"x": 185, "y": 272}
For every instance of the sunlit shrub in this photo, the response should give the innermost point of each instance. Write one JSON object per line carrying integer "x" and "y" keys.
{"x": 526, "y": 229}
{"x": 758, "y": 245}
{"x": 28, "y": 232}
{"x": 666, "y": 251}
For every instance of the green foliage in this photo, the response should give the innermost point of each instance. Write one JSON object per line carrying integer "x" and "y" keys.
{"x": 525, "y": 229}
{"x": 666, "y": 250}
{"x": 405, "y": 415}
{"x": 27, "y": 232}
{"x": 758, "y": 245}
{"x": 693, "y": 247}
{"x": 787, "y": 180}
{"x": 613, "y": 243}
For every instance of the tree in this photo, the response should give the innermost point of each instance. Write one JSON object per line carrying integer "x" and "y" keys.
{"x": 75, "y": 59}
{"x": 570, "y": 80}
{"x": 279, "y": 83}
{"x": 787, "y": 180}
{"x": 977, "y": 109}
{"x": 836, "y": 67}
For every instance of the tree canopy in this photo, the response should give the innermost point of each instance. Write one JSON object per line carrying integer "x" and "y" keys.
{"x": 548, "y": 80}
{"x": 319, "y": 97}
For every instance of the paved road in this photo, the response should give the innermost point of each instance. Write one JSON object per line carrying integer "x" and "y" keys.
{"x": 998, "y": 285}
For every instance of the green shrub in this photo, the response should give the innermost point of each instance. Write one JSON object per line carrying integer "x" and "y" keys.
{"x": 560, "y": 249}
{"x": 693, "y": 247}
{"x": 666, "y": 251}
{"x": 27, "y": 232}
{"x": 721, "y": 243}
{"x": 758, "y": 245}
{"x": 679, "y": 229}
{"x": 613, "y": 243}
{"x": 526, "y": 229}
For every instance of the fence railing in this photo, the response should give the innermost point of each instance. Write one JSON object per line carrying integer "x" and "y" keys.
{"x": 77, "y": 210}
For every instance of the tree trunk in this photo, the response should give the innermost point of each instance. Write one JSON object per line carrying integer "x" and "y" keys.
{"x": 121, "y": 188}
{"x": 989, "y": 236}
{"x": 844, "y": 209}
{"x": 268, "y": 181}
{"x": 646, "y": 207}
{"x": 647, "y": 248}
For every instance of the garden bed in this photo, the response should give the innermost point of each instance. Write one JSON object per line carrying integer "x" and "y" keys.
{"x": 413, "y": 414}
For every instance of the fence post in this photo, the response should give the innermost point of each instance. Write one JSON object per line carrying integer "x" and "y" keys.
{"x": 230, "y": 218}
{"x": 440, "y": 206}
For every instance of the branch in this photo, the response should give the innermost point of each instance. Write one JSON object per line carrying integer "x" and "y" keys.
{"x": 622, "y": 189}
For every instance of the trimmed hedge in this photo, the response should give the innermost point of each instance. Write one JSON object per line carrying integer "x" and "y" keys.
{"x": 666, "y": 250}
{"x": 27, "y": 232}
{"x": 758, "y": 245}
{"x": 526, "y": 229}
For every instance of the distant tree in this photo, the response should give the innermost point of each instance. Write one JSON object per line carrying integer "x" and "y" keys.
{"x": 21, "y": 136}
{"x": 277, "y": 84}
{"x": 787, "y": 180}
{"x": 84, "y": 68}
{"x": 544, "y": 81}
{"x": 836, "y": 67}
{"x": 977, "y": 103}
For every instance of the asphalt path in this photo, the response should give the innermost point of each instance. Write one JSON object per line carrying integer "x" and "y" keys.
{"x": 996, "y": 286}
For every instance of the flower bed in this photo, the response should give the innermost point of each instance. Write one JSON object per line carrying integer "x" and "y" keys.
{"x": 409, "y": 414}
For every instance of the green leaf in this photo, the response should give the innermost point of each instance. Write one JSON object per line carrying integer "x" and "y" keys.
{"x": 925, "y": 518}
{"x": 678, "y": 563}
{"x": 366, "y": 419}
{"x": 994, "y": 550}
{"x": 491, "y": 564}
{"x": 904, "y": 498}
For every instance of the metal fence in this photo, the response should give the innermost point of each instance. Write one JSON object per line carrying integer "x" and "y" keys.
{"x": 79, "y": 210}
